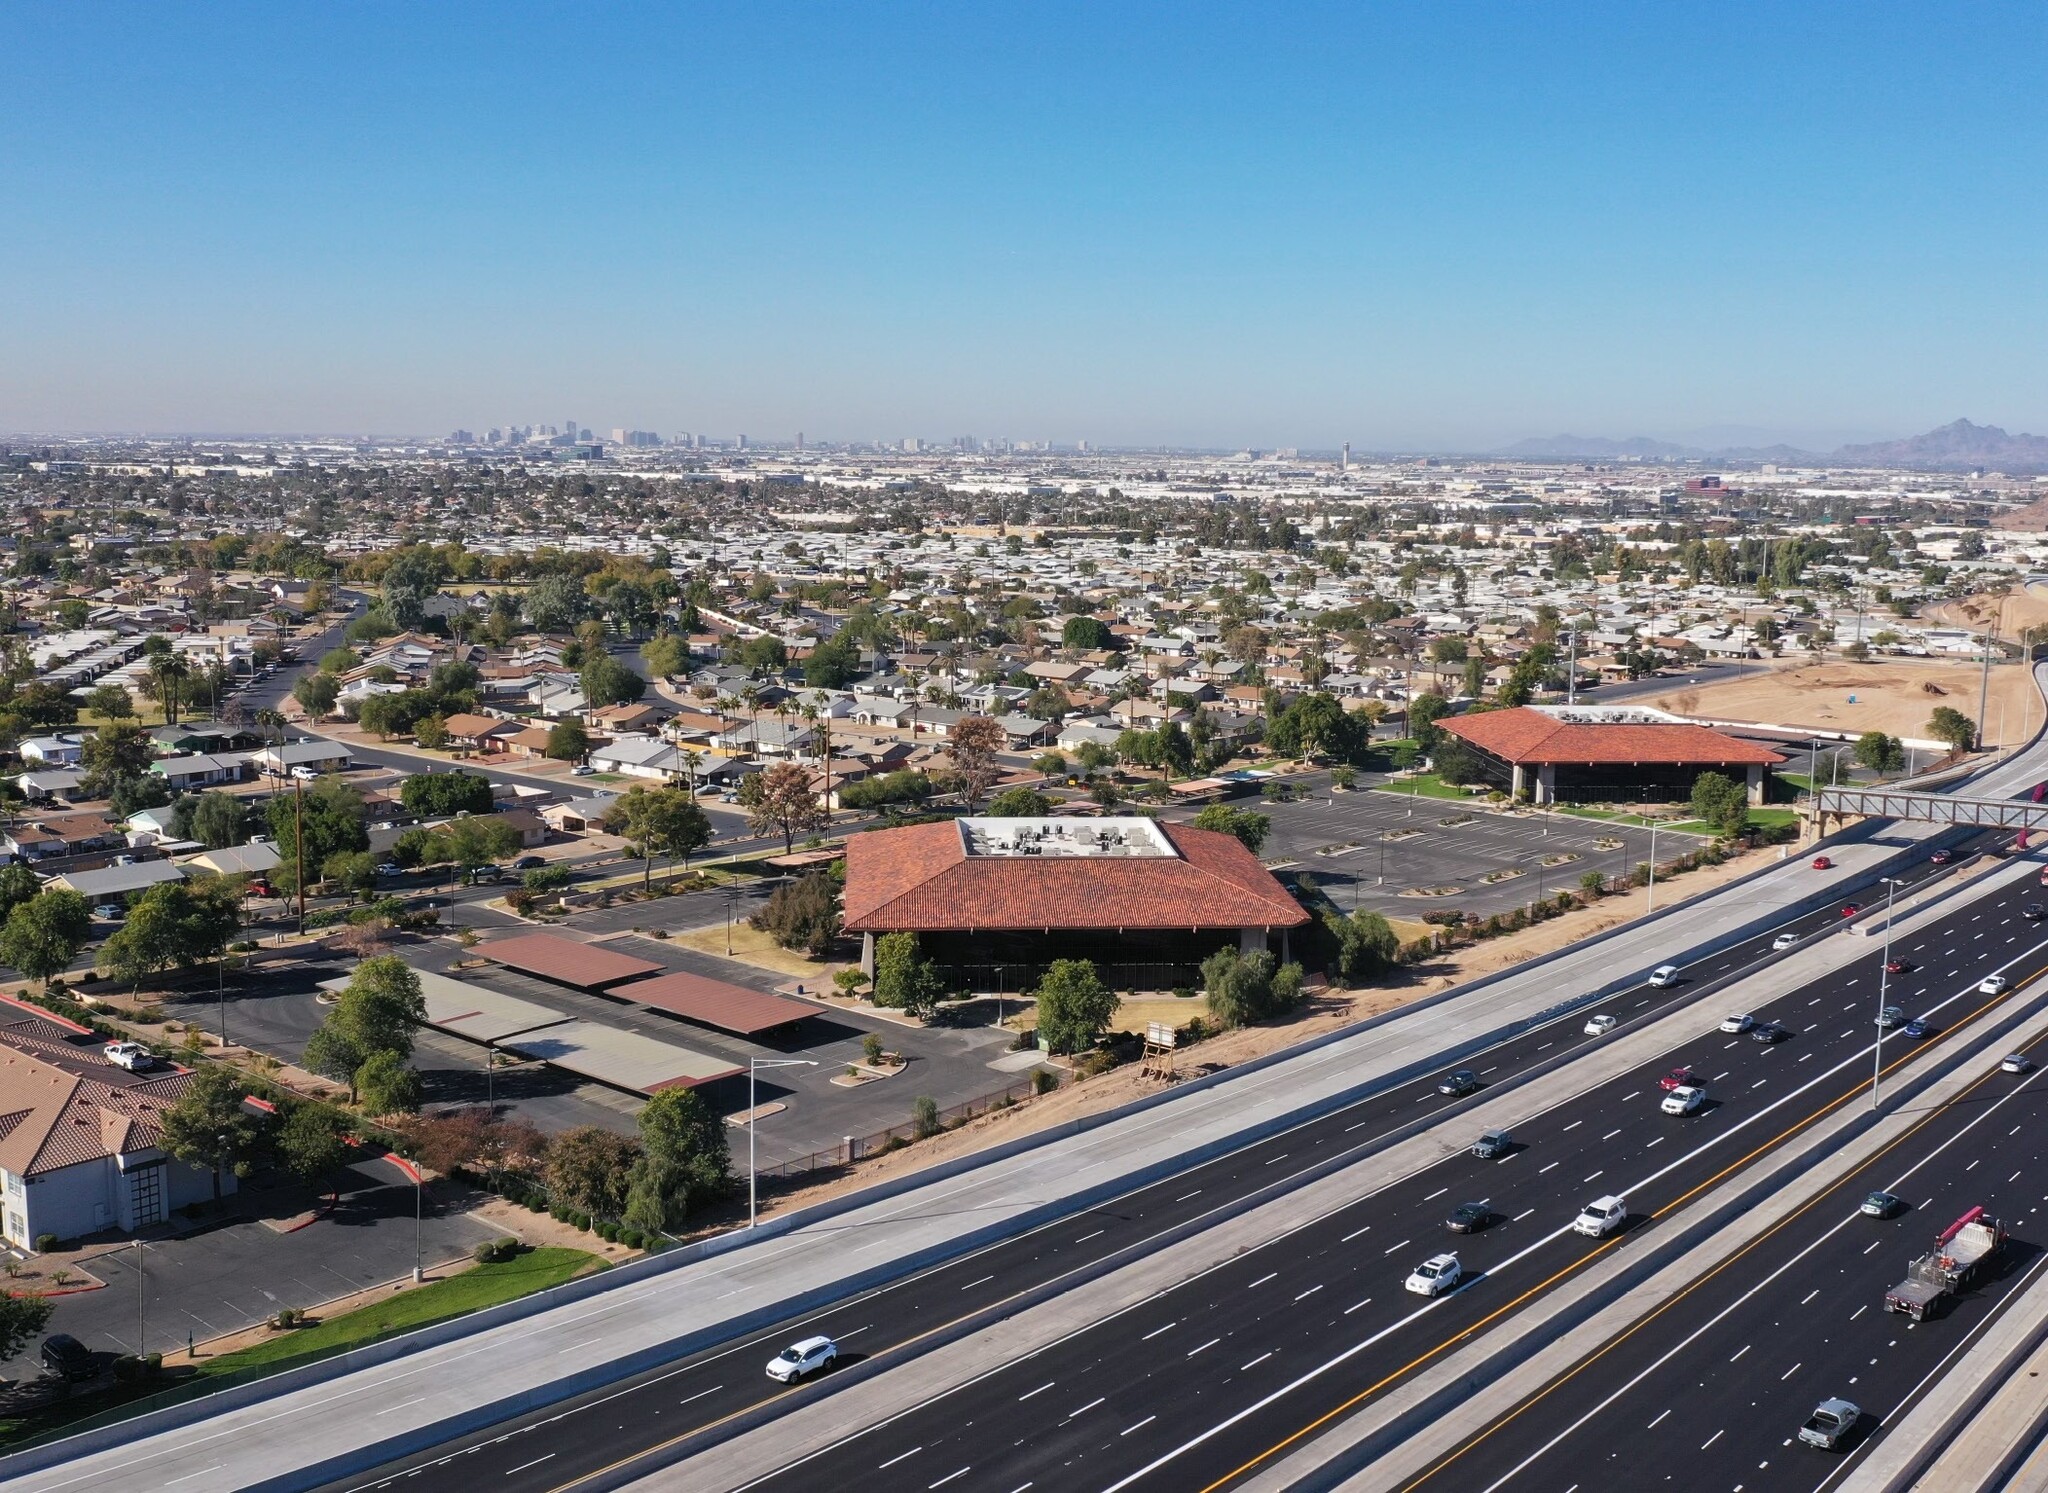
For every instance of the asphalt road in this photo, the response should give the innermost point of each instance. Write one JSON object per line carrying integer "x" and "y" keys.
{"x": 1199, "y": 1386}
{"x": 1709, "y": 1391}
{"x": 552, "y": 1448}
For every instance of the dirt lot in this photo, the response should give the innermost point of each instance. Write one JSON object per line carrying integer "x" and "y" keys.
{"x": 1894, "y": 696}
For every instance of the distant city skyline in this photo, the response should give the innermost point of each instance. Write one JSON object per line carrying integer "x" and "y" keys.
{"x": 1407, "y": 228}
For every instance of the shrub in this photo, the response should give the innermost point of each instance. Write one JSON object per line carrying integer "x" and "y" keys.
{"x": 45, "y": 1243}
{"x": 1044, "y": 1081}
{"x": 924, "y": 1116}
{"x": 871, "y": 1047}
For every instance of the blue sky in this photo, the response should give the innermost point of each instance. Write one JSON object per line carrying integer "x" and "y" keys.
{"x": 1435, "y": 225}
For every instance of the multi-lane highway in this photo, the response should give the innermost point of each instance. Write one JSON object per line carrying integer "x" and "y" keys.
{"x": 1200, "y": 1385}
{"x": 670, "y": 1406}
{"x": 1708, "y": 1390}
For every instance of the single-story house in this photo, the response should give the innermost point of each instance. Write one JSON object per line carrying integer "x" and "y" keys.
{"x": 481, "y": 733}
{"x": 312, "y": 752}
{"x": 200, "y": 770}
{"x": 118, "y": 881}
{"x": 238, "y": 860}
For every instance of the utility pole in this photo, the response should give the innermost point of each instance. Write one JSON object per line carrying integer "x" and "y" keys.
{"x": 1571, "y": 678}
{"x": 299, "y": 843}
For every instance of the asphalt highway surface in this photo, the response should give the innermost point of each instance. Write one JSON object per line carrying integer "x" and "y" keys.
{"x": 1709, "y": 1390}
{"x": 664, "y": 1408}
{"x": 1201, "y": 1385}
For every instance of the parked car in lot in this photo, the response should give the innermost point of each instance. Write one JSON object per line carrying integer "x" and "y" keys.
{"x": 1464, "y": 1081}
{"x": 110, "y": 912}
{"x": 1469, "y": 1218}
{"x": 1435, "y": 1275}
{"x": 2016, "y": 1062}
{"x": 130, "y": 1055}
{"x": 1889, "y": 1017}
{"x": 1830, "y": 1424}
{"x": 1492, "y": 1145}
{"x": 1882, "y": 1205}
{"x": 1992, "y": 985}
{"x": 800, "y": 1359}
{"x": 1785, "y": 941}
{"x": 1737, "y": 1024}
{"x": 1822, "y": 863}
{"x": 581, "y": 770}
{"x": 1685, "y": 1100}
{"x": 1677, "y": 1078}
{"x": 1601, "y": 1025}
{"x": 65, "y": 1357}
{"x": 1769, "y": 1033}
{"x": 1601, "y": 1217}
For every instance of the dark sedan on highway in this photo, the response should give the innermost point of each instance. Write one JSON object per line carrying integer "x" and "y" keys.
{"x": 1464, "y": 1081}
{"x": 1469, "y": 1218}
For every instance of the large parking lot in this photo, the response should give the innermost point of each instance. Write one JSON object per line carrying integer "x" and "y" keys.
{"x": 1387, "y": 850}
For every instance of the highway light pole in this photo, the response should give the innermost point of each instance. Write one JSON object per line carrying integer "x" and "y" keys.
{"x": 754, "y": 1066}
{"x": 1891, "y": 884}
{"x": 1651, "y": 901}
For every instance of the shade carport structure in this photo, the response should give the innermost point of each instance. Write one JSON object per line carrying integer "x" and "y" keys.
{"x": 713, "y": 1003}
{"x": 567, "y": 962}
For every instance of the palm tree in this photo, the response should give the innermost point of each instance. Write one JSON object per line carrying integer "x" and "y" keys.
{"x": 169, "y": 671}
{"x": 692, "y": 761}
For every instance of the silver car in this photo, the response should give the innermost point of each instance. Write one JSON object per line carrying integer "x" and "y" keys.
{"x": 799, "y": 1360}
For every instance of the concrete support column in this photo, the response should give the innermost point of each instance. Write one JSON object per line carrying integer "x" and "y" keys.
{"x": 1250, "y": 940}
{"x": 867, "y": 955}
{"x": 1285, "y": 956}
{"x": 1546, "y": 784}
{"x": 1515, "y": 781}
{"x": 1756, "y": 786}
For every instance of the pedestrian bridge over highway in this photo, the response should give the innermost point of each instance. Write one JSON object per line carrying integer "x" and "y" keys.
{"x": 2027, "y": 814}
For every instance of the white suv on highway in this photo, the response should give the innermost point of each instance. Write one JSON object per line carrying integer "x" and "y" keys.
{"x": 1601, "y": 1217}
{"x": 1435, "y": 1275}
{"x": 801, "y": 1359}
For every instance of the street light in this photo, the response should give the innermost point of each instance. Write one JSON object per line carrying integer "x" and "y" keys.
{"x": 754, "y": 1066}
{"x": 142, "y": 1282}
{"x": 1651, "y": 901}
{"x": 1883, "y": 984}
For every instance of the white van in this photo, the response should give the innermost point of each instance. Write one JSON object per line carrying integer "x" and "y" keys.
{"x": 1601, "y": 1217}
{"x": 1664, "y": 976}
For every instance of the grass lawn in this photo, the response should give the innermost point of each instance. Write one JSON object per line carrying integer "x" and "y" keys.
{"x": 750, "y": 945}
{"x": 1429, "y": 785}
{"x": 477, "y": 1287}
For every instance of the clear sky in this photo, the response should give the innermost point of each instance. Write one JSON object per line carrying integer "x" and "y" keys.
{"x": 1439, "y": 224}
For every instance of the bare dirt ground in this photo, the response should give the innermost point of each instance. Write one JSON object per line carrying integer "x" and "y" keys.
{"x": 1895, "y": 696}
{"x": 1326, "y": 1012}
{"x": 2006, "y": 615}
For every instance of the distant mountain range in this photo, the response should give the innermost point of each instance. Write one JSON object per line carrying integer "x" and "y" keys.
{"x": 1956, "y": 447}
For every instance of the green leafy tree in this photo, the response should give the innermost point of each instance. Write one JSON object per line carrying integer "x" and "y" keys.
{"x": 661, "y": 822}
{"x": 378, "y": 1012}
{"x": 310, "y": 1142}
{"x": 443, "y": 795}
{"x": 1720, "y": 802}
{"x": 208, "y": 1126}
{"x": 1244, "y": 988}
{"x": 22, "y": 1320}
{"x": 215, "y": 820}
{"x": 44, "y": 934}
{"x": 904, "y": 979}
{"x": 684, "y": 1155}
{"x": 1366, "y": 944}
{"x": 116, "y": 751}
{"x": 665, "y": 654}
{"x": 110, "y": 702}
{"x": 316, "y": 693}
{"x": 1086, "y": 635}
{"x": 1074, "y": 1006}
{"x": 18, "y": 884}
{"x": 174, "y": 923}
{"x": 1950, "y": 725}
{"x": 1019, "y": 803}
{"x": 1424, "y": 711}
{"x": 568, "y": 741}
{"x": 1248, "y": 825}
{"x": 804, "y": 914}
{"x": 384, "y": 1085}
{"x": 333, "y": 817}
{"x": 469, "y": 843}
{"x": 606, "y": 681}
{"x": 556, "y": 603}
{"x": 431, "y": 732}
{"x": 972, "y": 747}
{"x": 590, "y": 1169}
{"x": 354, "y": 871}
{"x": 1879, "y": 752}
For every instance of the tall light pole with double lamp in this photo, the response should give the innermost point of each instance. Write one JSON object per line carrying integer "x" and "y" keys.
{"x": 1891, "y": 885}
{"x": 754, "y": 1066}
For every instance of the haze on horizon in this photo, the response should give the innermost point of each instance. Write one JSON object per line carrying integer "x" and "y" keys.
{"x": 1406, "y": 227}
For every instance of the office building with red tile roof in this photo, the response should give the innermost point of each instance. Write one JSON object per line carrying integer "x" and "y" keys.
{"x": 995, "y": 900}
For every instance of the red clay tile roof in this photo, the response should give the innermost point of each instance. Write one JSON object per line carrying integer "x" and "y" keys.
{"x": 1531, "y": 738}
{"x": 921, "y": 879}
{"x": 50, "y": 1118}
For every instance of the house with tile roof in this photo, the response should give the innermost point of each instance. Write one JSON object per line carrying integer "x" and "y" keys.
{"x": 993, "y": 901}
{"x": 80, "y": 1139}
